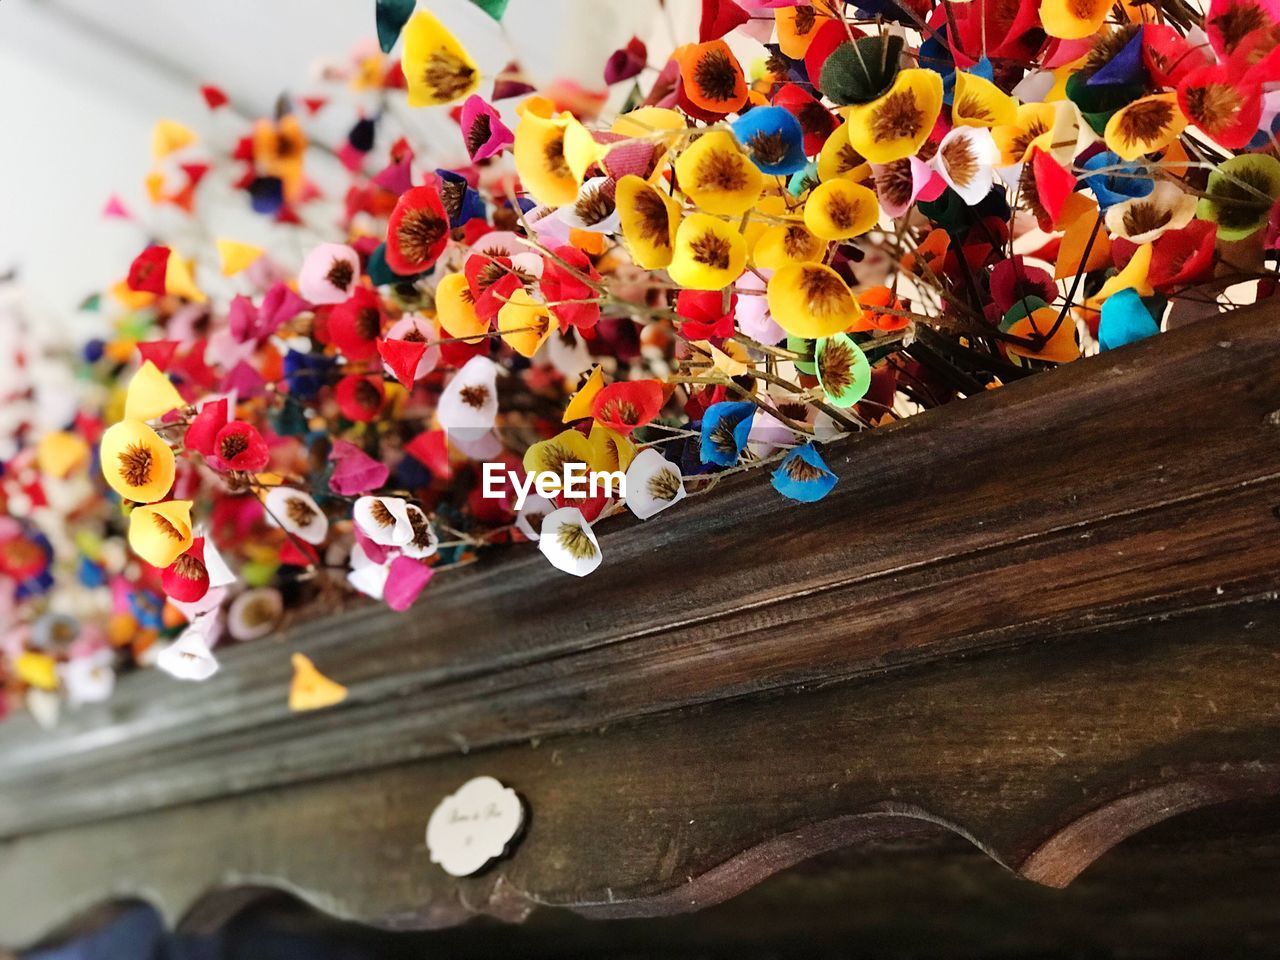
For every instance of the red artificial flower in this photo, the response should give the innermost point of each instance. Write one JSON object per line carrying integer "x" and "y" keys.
{"x": 417, "y": 232}
{"x": 1168, "y": 55}
{"x": 1053, "y": 183}
{"x": 1223, "y": 101}
{"x": 360, "y": 398}
{"x": 147, "y": 272}
{"x": 159, "y": 352}
{"x": 203, "y": 430}
{"x": 718, "y": 18}
{"x": 187, "y": 578}
{"x": 625, "y": 406}
{"x": 491, "y": 281}
{"x": 1180, "y": 257}
{"x": 705, "y": 317}
{"x": 355, "y": 325}
{"x": 816, "y": 120}
{"x": 239, "y": 446}
{"x": 560, "y": 284}
{"x": 402, "y": 357}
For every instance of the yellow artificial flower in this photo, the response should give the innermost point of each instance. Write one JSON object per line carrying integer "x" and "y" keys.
{"x": 161, "y": 532}
{"x": 895, "y": 124}
{"x": 782, "y": 244}
{"x": 718, "y": 176}
{"x": 1132, "y": 277}
{"x": 550, "y": 456}
{"x": 37, "y": 670}
{"x": 838, "y": 158}
{"x": 150, "y": 394}
{"x": 839, "y": 209}
{"x": 1145, "y": 126}
{"x": 1073, "y": 19}
{"x": 170, "y": 136}
{"x": 980, "y": 103}
{"x": 136, "y": 463}
{"x": 1031, "y": 127}
{"x": 437, "y": 69}
{"x": 524, "y": 322}
{"x": 610, "y": 450}
{"x": 539, "y": 153}
{"x": 456, "y": 309}
{"x": 180, "y": 282}
{"x": 645, "y": 122}
{"x": 311, "y": 689}
{"x": 649, "y": 221}
{"x": 60, "y": 452}
{"x": 579, "y": 406}
{"x": 811, "y": 300}
{"x": 709, "y": 255}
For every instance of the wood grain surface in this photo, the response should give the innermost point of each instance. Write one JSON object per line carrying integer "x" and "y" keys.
{"x": 1043, "y": 618}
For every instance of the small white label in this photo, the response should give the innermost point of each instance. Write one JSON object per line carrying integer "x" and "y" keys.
{"x": 473, "y": 826}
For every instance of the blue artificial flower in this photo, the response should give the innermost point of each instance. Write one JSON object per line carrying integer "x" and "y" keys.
{"x": 266, "y": 195}
{"x": 1118, "y": 185}
{"x": 725, "y": 427}
{"x": 306, "y": 373}
{"x": 1125, "y": 319}
{"x": 91, "y": 574}
{"x": 462, "y": 202}
{"x": 1124, "y": 68}
{"x": 803, "y": 475}
{"x": 773, "y": 138}
{"x": 147, "y": 609}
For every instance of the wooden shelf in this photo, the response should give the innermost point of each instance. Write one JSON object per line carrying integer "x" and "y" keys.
{"x": 1042, "y": 619}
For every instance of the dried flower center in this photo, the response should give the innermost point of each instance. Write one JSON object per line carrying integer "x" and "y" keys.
{"x": 258, "y": 611}
{"x": 368, "y": 323}
{"x": 452, "y": 193}
{"x": 299, "y": 512}
{"x": 712, "y": 250}
{"x": 367, "y": 395}
{"x": 166, "y": 528}
{"x": 802, "y": 471}
{"x": 534, "y": 519}
{"x": 380, "y": 515}
{"x": 414, "y": 335}
{"x": 798, "y": 242}
{"x": 835, "y": 367}
{"x": 961, "y": 161}
{"x": 1022, "y": 142}
{"x": 1144, "y": 120}
{"x": 446, "y": 75}
{"x": 715, "y": 76}
{"x": 847, "y": 158}
{"x": 479, "y": 134}
{"x": 722, "y": 437}
{"x": 1213, "y": 106}
{"x": 1240, "y": 200}
{"x": 620, "y": 411}
{"x": 1142, "y": 217}
{"x": 898, "y": 117}
{"x": 653, "y": 220}
{"x": 474, "y": 396}
{"x": 806, "y": 17}
{"x": 594, "y": 206}
{"x": 232, "y": 446}
{"x": 189, "y": 567}
{"x": 557, "y": 457}
{"x": 824, "y": 291}
{"x": 842, "y": 211}
{"x": 418, "y": 234}
{"x": 815, "y": 120}
{"x": 972, "y": 107}
{"x": 793, "y": 409}
{"x": 135, "y": 465}
{"x": 575, "y": 541}
{"x": 721, "y": 170}
{"x": 340, "y": 273}
{"x": 554, "y": 153}
{"x": 421, "y": 529}
{"x": 896, "y": 183}
{"x": 664, "y": 485}
{"x": 768, "y": 149}
{"x": 1107, "y": 45}
{"x": 1237, "y": 21}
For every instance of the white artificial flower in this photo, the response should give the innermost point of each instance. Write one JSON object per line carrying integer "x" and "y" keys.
{"x": 1143, "y": 219}
{"x": 653, "y": 484}
{"x": 384, "y": 520}
{"x": 529, "y": 519}
{"x": 966, "y": 160}
{"x": 254, "y": 613}
{"x": 89, "y": 679}
{"x": 189, "y": 657}
{"x": 367, "y": 576}
{"x": 424, "y": 542}
{"x": 595, "y": 208}
{"x": 297, "y": 513}
{"x": 470, "y": 401}
{"x": 568, "y": 541}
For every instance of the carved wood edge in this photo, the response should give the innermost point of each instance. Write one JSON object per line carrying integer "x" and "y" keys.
{"x": 1151, "y": 722}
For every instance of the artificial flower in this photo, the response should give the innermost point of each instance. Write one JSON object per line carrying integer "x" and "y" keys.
{"x": 136, "y": 463}
{"x": 159, "y": 533}
{"x": 595, "y": 208}
{"x": 540, "y": 153}
{"x": 717, "y": 176}
{"x": 424, "y": 542}
{"x": 1125, "y": 319}
{"x": 417, "y": 231}
{"x": 297, "y": 513}
{"x": 725, "y": 429}
{"x": 649, "y": 219}
{"x": 187, "y": 578}
{"x": 1240, "y": 194}
{"x": 840, "y": 209}
{"x": 310, "y": 689}
{"x": 803, "y": 475}
{"x": 965, "y": 159}
{"x": 711, "y": 77}
{"x": 1145, "y": 126}
{"x": 524, "y": 323}
{"x": 895, "y": 124}
{"x": 456, "y": 309}
{"x": 360, "y": 398}
{"x": 567, "y": 540}
{"x": 782, "y": 244}
{"x": 329, "y": 273}
{"x": 843, "y": 371}
{"x": 653, "y": 484}
{"x": 239, "y": 446}
{"x": 483, "y": 131}
{"x": 625, "y": 406}
{"x": 470, "y": 400}
{"x": 1073, "y": 19}
{"x": 709, "y": 253}
{"x": 189, "y": 657}
{"x": 811, "y": 300}
{"x": 436, "y": 67}
{"x": 254, "y": 613}
{"x": 773, "y": 139}
{"x": 1143, "y": 219}
{"x": 977, "y": 102}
